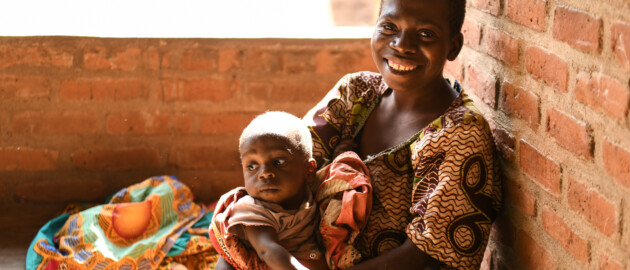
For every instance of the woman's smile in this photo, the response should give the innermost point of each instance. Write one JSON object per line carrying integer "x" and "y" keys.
{"x": 397, "y": 66}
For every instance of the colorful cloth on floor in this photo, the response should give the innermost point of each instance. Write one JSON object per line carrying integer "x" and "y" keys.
{"x": 440, "y": 188}
{"x": 344, "y": 199}
{"x": 137, "y": 229}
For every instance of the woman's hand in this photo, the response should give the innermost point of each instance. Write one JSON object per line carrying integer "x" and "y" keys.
{"x": 222, "y": 264}
{"x": 406, "y": 256}
{"x": 344, "y": 146}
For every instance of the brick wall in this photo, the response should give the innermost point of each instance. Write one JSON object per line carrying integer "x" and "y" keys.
{"x": 554, "y": 78}
{"x": 82, "y": 117}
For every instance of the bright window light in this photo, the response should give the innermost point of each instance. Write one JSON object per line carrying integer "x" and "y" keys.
{"x": 170, "y": 18}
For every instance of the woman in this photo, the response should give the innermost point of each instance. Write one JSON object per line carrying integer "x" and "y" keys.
{"x": 428, "y": 150}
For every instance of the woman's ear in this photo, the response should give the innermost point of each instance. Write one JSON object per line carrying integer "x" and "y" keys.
{"x": 456, "y": 46}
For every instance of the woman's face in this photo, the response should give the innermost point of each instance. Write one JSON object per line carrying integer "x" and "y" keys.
{"x": 274, "y": 170}
{"x": 412, "y": 41}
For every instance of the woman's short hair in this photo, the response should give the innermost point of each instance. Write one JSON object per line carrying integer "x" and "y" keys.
{"x": 456, "y": 14}
{"x": 280, "y": 124}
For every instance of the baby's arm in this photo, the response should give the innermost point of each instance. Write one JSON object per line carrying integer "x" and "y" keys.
{"x": 265, "y": 241}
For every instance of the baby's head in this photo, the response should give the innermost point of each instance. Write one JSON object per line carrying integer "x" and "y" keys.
{"x": 276, "y": 156}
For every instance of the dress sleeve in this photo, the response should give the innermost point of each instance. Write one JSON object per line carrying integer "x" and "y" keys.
{"x": 456, "y": 192}
{"x": 245, "y": 212}
{"x": 326, "y": 121}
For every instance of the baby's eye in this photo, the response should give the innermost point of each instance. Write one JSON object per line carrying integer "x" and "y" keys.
{"x": 426, "y": 34}
{"x": 279, "y": 162}
{"x": 252, "y": 167}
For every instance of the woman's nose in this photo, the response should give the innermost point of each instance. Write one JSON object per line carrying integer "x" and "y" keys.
{"x": 404, "y": 43}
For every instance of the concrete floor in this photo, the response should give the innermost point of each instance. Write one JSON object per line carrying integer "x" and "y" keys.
{"x": 18, "y": 226}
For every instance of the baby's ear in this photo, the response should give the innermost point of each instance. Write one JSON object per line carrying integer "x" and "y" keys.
{"x": 312, "y": 166}
{"x": 311, "y": 170}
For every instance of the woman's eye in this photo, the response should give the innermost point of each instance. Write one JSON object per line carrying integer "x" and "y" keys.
{"x": 388, "y": 27}
{"x": 279, "y": 162}
{"x": 252, "y": 167}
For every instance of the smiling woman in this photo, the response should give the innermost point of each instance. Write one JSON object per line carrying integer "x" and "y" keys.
{"x": 169, "y": 18}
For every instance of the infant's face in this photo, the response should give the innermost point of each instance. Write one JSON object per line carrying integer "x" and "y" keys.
{"x": 274, "y": 171}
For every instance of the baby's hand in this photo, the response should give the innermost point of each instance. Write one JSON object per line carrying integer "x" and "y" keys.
{"x": 344, "y": 146}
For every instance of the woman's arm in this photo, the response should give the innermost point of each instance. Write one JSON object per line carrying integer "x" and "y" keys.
{"x": 265, "y": 241}
{"x": 406, "y": 256}
{"x": 222, "y": 264}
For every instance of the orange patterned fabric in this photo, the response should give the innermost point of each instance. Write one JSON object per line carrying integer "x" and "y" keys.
{"x": 440, "y": 188}
{"x": 344, "y": 198}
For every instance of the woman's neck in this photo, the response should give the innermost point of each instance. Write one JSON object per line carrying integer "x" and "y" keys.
{"x": 434, "y": 98}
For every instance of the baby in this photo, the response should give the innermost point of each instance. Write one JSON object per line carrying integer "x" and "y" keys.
{"x": 275, "y": 212}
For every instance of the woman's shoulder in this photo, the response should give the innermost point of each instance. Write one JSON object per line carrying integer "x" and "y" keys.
{"x": 364, "y": 81}
{"x": 463, "y": 115}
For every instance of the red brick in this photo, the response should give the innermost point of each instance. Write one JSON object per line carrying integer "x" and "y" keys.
{"x": 284, "y": 91}
{"x": 505, "y": 142}
{"x": 550, "y": 68}
{"x": 540, "y": 168}
{"x": 199, "y": 89}
{"x": 520, "y": 197}
{"x": 520, "y": 103}
{"x": 338, "y": 61}
{"x": 57, "y": 123}
{"x": 531, "y": 254}
{"x": 472, "y": 33}
{"x": 491, "y": 6}
{"x": 454, "y": 70}
{"x": 531, "y": 13}
{"x": 593, "y": 207}
{"x": 620, "y": 42}
{"x": 206, "y": 157}
{"x": 126, "y": 59}
{"x": 199, "y": 59}
{"x": 137, "y": 123}
{"x": 209, "y": 185}
{"x": 183, "y": 124}
{"x": 225, "y": 123}
{"x": 616, "y": 162}
{"x": 559, "y": 230}
{"x": 28, "y": 159}
{"x": 35, "y": 55}
{"x": 586, "y": 37}
{"x": 229, "y": 59}
{"x": 606, "y": 263}
{"x": 116, "y": 159}
{"x": 103, "y": 89}
{"x": 603, "y": 93}
{"x": 501, "y": 46}
{"x": 261, "y": 61}
{"x": 570, "y": 133}
{"x": 483, "y": 85}
{"x": 57, "y": 191}
{"x": 14, "y": 87}
{"x": 298, "y": 61}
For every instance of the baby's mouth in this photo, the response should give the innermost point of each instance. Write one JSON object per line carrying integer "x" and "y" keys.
{"x": 400, "y": 66}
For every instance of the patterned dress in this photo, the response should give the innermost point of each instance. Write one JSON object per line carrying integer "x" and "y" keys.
{"x": 440, "y": 188}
